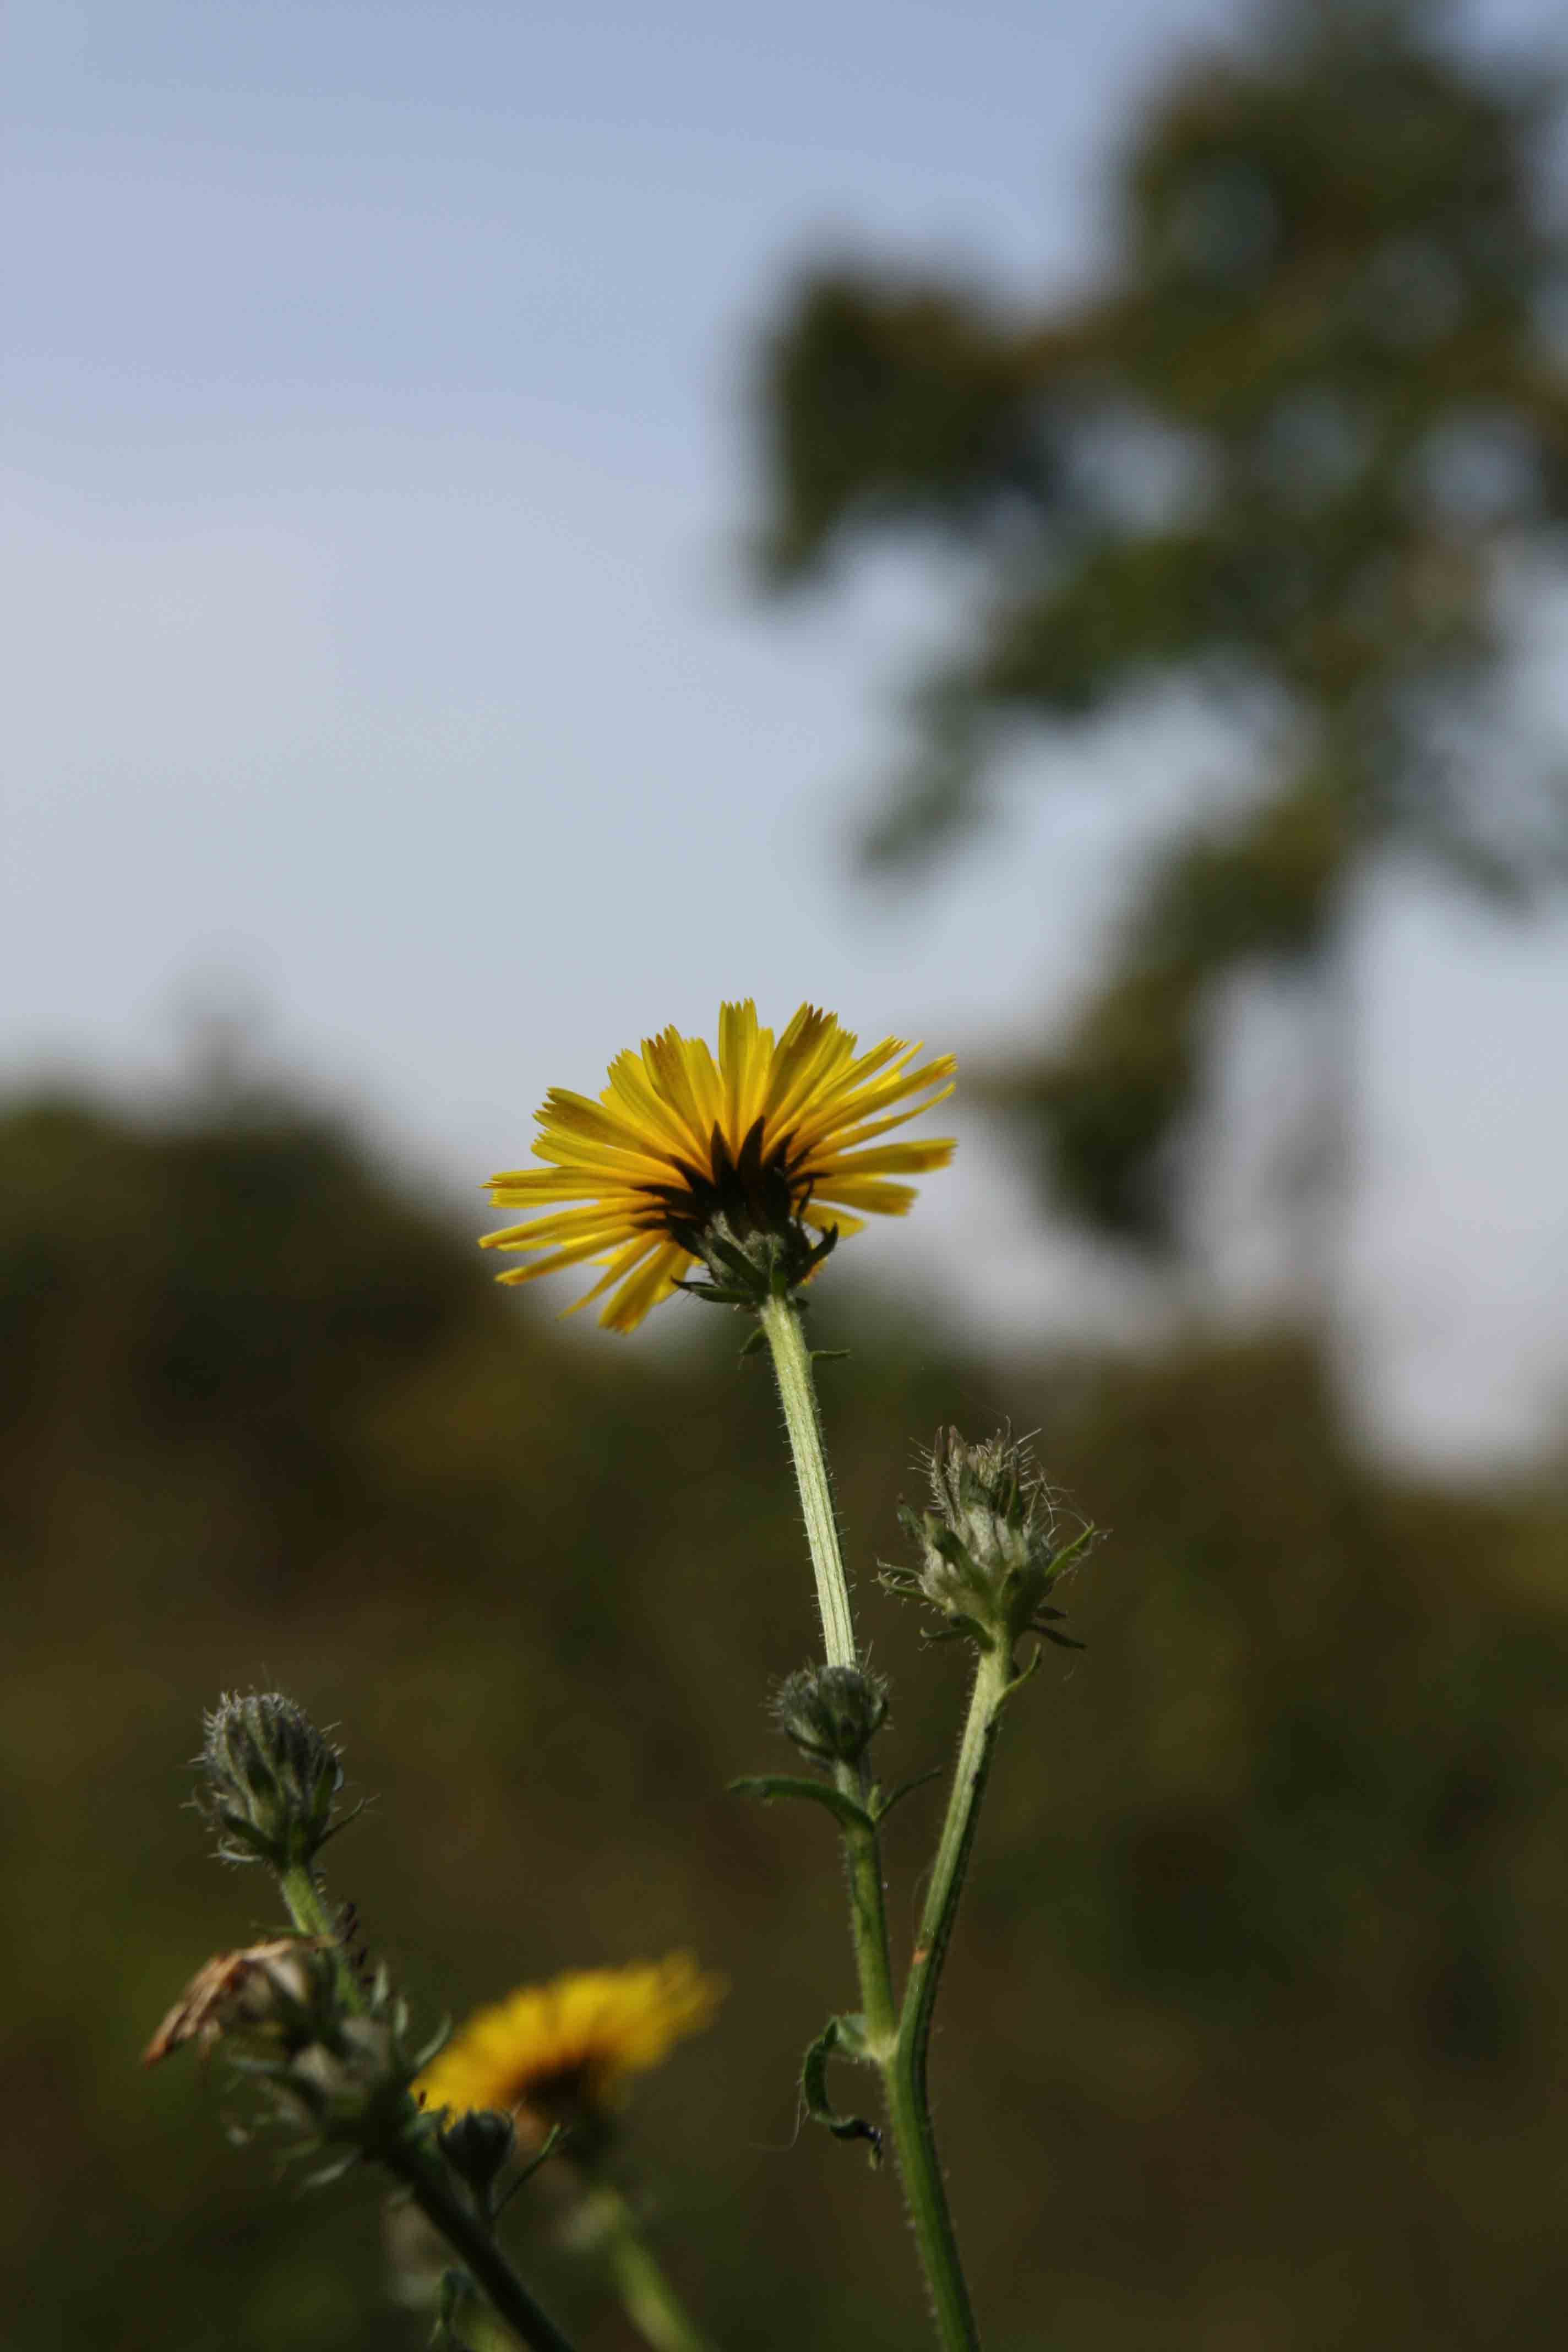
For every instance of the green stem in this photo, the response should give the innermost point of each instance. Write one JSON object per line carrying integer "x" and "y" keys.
{"x": 314, "y": 1916}
{"x": 781, "y": 1321}
{"x": 652, "y": 2305}
{"x": 469, "y": 2238}
{"x": 909, "y": 2090}
{"x": 992, "y": 1678}
{"x": 476, "y": 2249}
{"x": 897, "y": 2047}
{"x": 869, "y": 1925}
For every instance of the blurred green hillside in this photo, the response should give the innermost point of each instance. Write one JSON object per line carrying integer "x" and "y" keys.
{"x": 1254, "y": 2036}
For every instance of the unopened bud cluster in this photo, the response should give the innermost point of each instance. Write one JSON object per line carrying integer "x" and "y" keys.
{"x": 988, "y": 1554}
{"x": 323, "y": 2047}
{"x": 831, "y": 1713}
{"x": 329, "y": 2075}
{"x": 350, "y": 2088}
{"x": 270, "y": 1780}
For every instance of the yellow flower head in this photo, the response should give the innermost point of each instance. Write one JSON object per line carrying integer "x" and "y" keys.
{"x": 770, "y": 1133}
{"x": 568, "y": 2048}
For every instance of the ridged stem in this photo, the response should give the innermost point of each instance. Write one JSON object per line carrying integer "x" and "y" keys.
{"x": 781, "y": 1320}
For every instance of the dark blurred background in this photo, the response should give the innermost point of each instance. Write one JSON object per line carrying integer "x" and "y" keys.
{"x": 1254, "y": 2031}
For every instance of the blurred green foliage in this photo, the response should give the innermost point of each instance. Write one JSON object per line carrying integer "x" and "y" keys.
{"x": 1291, "y": 451}
{"x": 1254, "y": 2032}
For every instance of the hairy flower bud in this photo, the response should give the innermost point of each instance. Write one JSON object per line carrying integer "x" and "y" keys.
{"x": 988, "y": 1549}
{"x": 272, "y": 1780}
{"x": 831, "y": 1713}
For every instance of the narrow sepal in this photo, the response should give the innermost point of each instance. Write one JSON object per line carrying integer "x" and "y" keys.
{"x": 1022, "y": 1676}
{"x": 541, "y": 2154}
{"x": 882, "y": 1806}
{"x": 325, "y": 2174}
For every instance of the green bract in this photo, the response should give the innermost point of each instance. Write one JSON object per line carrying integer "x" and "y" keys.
{"x": 270, "y": 1780}
{"x": 988, "y": 1550}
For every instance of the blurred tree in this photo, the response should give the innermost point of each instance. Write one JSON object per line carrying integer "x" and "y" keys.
{"x": 1294, "y": 453}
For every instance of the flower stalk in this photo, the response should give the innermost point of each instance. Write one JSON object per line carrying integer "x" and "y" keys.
{"x": 781, "y": 1323}
{"x": 325, "y": 2046}
{"x": 473, "y": 2240}
{"x": 650, "y": 2302}
{"x": 909, "y": 2093}
{"x": 312, "y": 1915}
{"x": 895, "y": 2043}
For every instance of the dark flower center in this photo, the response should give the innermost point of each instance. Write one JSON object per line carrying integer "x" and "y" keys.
{"x": 748, "y": 1193}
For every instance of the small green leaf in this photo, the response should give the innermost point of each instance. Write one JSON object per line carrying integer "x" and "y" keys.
{"x": 829, "y": 1355}
{"x": 766, "y": 1786}
{"x": 1020, "y": 1678}
{"x": 433, "y": 2048}
{"x": 1081, "y": 1542}
{"x": 541, "y": 2154}
{"x": 457, "y": 2289}
{"x": 351, "y": 1815}
{"x": 755, "y": 1344}
{"x": 882, "y": 1806}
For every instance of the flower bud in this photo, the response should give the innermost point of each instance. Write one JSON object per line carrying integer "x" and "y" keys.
{"x": 272, "y": 1780}
{"x": 476, "y": 2145}
{"x": 988, "y": 1554}
{"x": 831, "y": 1713}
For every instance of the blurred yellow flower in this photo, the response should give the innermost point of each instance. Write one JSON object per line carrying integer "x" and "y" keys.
{"x": 562, "y": 2049}
{"x": 768, "y": 1130}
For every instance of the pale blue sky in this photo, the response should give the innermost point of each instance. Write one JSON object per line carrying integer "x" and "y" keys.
{"x": 372, "y": 428}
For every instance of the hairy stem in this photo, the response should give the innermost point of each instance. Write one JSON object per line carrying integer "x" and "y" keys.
{"x": 781, "y": 1320}
{"x": 910, "y": 2089}
{"x": 946, "y": 1883}
{"x": 896, "y": 2046}
{"x": 314, "y": 1916}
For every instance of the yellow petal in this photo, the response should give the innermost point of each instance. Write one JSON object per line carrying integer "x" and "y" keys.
{"x": 883, "y": 1200}
{"x": 888, "y": 1159}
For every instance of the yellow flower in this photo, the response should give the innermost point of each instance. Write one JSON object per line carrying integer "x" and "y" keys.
{"x": 768, "y": 1133}
{"x": 568, "y": 2047}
